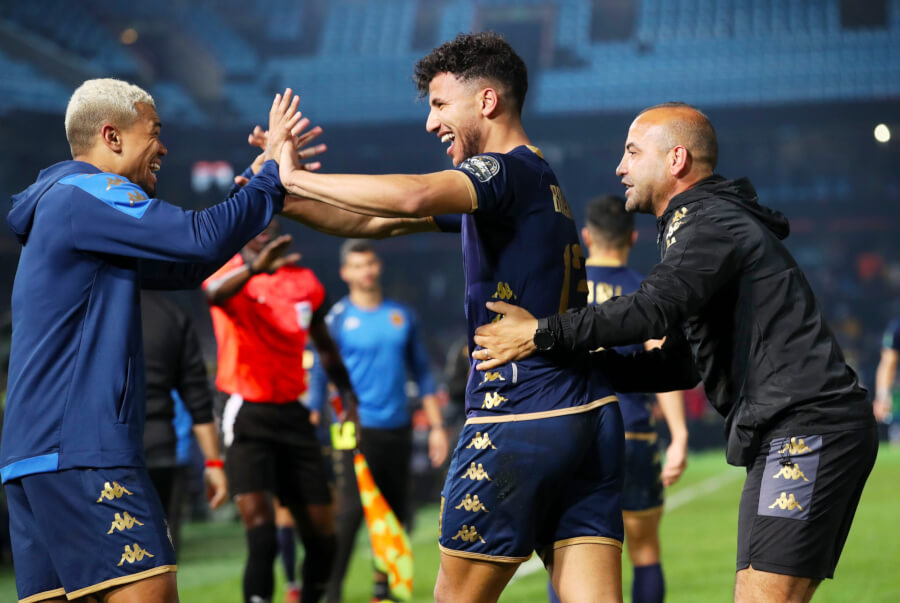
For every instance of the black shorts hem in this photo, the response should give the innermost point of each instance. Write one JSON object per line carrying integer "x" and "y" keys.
{"x": 784, "y": 570}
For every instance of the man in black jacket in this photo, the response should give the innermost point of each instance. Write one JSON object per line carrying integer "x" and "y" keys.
{"x": 173, "y": 362}
{"x": 728, "y": 293}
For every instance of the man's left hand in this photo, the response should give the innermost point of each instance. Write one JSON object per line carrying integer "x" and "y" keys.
{"x": 511, "y": 338}
{"x": 216, "y": 486}
{"x": 676, "y": 462}
{"x": 437, "y": 446}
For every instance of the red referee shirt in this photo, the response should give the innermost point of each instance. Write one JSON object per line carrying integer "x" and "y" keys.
{"x": 261, "y": 333}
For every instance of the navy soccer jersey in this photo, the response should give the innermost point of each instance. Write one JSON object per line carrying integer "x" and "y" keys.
{"x": 892, "y": 336}
{"x": 605, "y": 281}
{"x": 520, "y": 245}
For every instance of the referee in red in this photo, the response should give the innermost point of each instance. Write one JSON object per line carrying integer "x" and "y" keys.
{"x": 263, "y": 306}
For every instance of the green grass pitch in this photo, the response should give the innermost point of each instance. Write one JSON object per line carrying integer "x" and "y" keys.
{"x": 698, "y": 539}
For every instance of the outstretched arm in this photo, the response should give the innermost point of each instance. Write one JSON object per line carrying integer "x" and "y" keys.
{"x": 342, "y": 223}
{"x": 390, "y": 196}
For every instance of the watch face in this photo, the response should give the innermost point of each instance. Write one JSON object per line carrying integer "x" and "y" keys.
{"x": 543, "y": 340}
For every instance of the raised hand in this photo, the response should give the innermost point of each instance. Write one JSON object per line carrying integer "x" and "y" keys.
{"x": 272, "y": 257}
{"x": 283, "y": 116}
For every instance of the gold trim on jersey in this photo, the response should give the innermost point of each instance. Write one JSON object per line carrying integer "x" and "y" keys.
{"x": 545, "y": 414}
{"x": 162, "y": 569}
{"x": 468, "y": 555}
{"x": 535, "y": 150}
{"x": 587, "y": 540}
{"x": 47, "y": 594}
{"x": 643, "y": 512}
{"x": 646, "y": 437}
{"x": 473, "y": 196}
{"x": 604, "y": 262}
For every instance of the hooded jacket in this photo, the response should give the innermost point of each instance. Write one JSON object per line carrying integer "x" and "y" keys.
{"x": 90, "y": 241}
{"x": 752, "y": 329}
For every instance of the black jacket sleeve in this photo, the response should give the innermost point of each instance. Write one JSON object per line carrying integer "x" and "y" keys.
{"x": 699, "y": 259}
{"x": 192, "y": 384}
{"x": 664, "y": 369}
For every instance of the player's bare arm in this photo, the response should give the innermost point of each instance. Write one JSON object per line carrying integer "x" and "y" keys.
{"x": 389, "y": 196}
{"x": 342, "y": 223}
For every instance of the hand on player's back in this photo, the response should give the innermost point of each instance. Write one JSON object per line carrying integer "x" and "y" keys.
{"x": 272, "y": 257}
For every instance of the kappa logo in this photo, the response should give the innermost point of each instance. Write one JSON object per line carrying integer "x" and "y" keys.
{"x": 795, "y": 446}
{"x": 504, "y": 292}
{"x": 123, "y": 522}
{"x": 675, "y": 225}
{"x": 133, "y": 554}
{"x": 791, "y": 472}
{"x": 492, "y": 376}
{"x": 110, "y": 492}
{"x": 492, "y": 399}
{"x": 787, "y": 502}
{"x": 136, "y": 197}
{"x": 471, "y": 503}
{"x": 481, "y": 442}
{"x": 483, "y": 167}
{"x": 476, "y": 473}
{"x": 467, "y": 534}
{"x": 115, "y": 181}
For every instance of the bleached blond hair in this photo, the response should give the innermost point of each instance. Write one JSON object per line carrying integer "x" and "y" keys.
{"x": 100, "y": 101}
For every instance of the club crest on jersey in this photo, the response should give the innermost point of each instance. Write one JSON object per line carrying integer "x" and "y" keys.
{"x": 483, "y": 167}
{"x": 397, "y": 319}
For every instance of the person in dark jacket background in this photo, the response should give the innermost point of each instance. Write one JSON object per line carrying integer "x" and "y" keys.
{"x": 84, "y": 516}
{"x": 173, "y": 362}
{"x": 728, "y": 292}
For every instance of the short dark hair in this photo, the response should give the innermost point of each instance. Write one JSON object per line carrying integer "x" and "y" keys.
{"x": 693, "y": 130}
{"x": 475, "y": 56}
{"x": 609, "y": 221}
{"x": 355, "y": 246}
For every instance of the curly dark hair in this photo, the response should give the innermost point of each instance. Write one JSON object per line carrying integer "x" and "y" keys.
{"x": 476, "y": 55}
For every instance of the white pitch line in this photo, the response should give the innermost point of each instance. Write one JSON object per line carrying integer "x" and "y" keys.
{"x": 680, "y": 498}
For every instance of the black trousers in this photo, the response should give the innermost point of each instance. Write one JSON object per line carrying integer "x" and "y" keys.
{"x": 388, "y": 453}
{"x": 171, "y": 484}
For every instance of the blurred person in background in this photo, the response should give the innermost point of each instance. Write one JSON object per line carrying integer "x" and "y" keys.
{"x": 380, "y": 342}
{"x": 609, "y": 235}
{"x": 886, "y": 374}
{"x": 538, "y": 463}
{"x": 263, "y": 307}
{"x": 174, "y": 366}
{"x": 85, "y": 518}
{"x": 736, "y": 309}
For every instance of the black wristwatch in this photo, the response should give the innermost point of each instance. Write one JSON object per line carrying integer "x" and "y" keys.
{"x": 544, "y": 340}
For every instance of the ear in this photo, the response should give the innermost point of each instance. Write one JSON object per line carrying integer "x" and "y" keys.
{"x": 634, "y": 237}
{"x": 586, "y": 237}
{"x": 343, "y": 275}
{"x": 110, "y": 136}
{"x": 679, "y": 161}
{"x": 490, "y": 102}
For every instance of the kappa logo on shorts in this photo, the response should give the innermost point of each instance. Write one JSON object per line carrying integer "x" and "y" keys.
{"x": 791, "y": 472}
{"x": 123, "y": 522}
{"x": 481, "y": 442}
{"x": 504, "y": 291}
{"x": 492, "y": 376}
{"x": 786, "y": 502}
{"x": 795, "y": 446}
{"x": 113, "y": 491}
{"x": 492, "y": 399}
{"x": 483, "y": 167}
{"x": 787, "y": 482}
{"x": 133, "y": 554}
{"x": 476, "y": 473}
{"x": 471, "y": 503}
{"x": 467, "y": 534}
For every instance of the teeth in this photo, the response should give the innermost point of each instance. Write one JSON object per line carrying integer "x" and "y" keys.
{"x": 447, "y": 137}
{"x": 154, "y": 167}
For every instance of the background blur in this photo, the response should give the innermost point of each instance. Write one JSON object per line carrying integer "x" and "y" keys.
{"x": 803, "y": 94}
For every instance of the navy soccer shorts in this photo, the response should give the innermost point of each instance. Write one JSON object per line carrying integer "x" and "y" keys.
{"x": 533, "y": 482}
{"x": 80, "y": 531}
{"x": 643, "y": 490}
{"x": 799, "y": 500}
